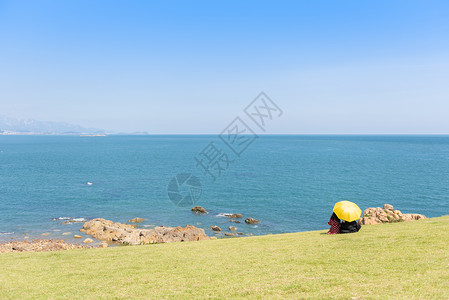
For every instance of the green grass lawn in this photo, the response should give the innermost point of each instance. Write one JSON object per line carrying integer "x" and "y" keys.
{"x": 400, "y": 260}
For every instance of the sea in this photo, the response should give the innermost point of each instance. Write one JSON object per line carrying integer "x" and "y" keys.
{"x": 52, "y": 184}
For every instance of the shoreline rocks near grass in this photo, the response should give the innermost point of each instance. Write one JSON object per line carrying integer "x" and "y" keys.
{"x": 128, "y": 234}
{"x": 386, "y": 214}
{"x": 38, "y": 246}
{"x": 231, "y": 216}
{"x": 106, "y": 230}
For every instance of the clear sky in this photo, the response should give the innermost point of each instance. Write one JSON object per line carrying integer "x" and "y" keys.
{"x": 192, "y": 66}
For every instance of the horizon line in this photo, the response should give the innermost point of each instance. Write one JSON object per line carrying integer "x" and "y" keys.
{"x": 131, "y": 133}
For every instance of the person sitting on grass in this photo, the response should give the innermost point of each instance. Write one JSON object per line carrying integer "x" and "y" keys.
{"x": 334, "y": 223}
{"x": 349, "y": 227}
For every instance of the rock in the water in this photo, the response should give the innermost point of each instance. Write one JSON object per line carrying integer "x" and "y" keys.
{"x": 229, "y": 234}
{"x": 251, "y": 221}
{"x": 136, "y": 220}
{"x": 104, "y": 245}
{"x": 106, "y": 230}
{"x": 233, "y": 216}
{"x": 234, "y": 221}
{"x": 47, "y": 233}
{"x": 215, "y": 228}
{"x": 199, "y": 210}
{"x": 387, "y": 207}
{"x": 66, "y": 233}
{"x": 77, "y": 236}
{"x": 386, "y": 214}
{"x": 232, "y": 228}
{"x": 88, "y": 241}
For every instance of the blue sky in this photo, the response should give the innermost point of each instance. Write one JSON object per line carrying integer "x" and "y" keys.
{"x": 192, "y": 66}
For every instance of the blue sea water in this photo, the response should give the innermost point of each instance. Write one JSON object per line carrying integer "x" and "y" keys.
{"x": 288, "y": 182}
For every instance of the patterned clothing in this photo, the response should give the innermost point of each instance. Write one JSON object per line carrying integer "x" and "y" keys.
{"x": 335, "y": 226}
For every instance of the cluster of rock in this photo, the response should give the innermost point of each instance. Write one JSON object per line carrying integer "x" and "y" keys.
{"x": 202, "y": 210}
{"x": 38, "y": 246}
{"x": 386, "y": 214}
{"x": 231, "y": 217}
{"x": 232, "y": 230}
{"x": 126, "y": 234}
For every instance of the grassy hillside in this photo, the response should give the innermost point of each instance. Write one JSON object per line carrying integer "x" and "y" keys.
{"x": 401, "y": 260}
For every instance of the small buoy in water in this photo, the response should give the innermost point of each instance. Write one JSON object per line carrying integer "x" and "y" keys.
{"x": 89, "y": 183}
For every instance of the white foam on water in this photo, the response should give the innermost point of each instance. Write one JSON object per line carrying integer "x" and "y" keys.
{"x": 79, "y": 219}
{"x": 223, "y": 215}
{"x": 6, "y": 233}
{"x": 61, "y": 218}
{"x": 69, "y": 219}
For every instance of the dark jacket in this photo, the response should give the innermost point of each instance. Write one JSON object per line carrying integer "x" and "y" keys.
{"x": 349, "y": 227}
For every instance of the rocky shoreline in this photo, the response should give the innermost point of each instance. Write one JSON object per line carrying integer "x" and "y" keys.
{"x": 386, "y": 214}
{"x": 38, "y": 246}
{"x": 110, "y": 233}
{"x": 106, "y": 233}
{"x": 125, "y": 234}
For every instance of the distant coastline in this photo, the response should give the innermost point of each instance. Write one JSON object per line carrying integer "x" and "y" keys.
{"x": 13, "y": 126}
{"x": 21, "y": 133}
{"x": 7, "y": 132}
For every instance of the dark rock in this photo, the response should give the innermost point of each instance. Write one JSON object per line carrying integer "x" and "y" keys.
{"x": 251, "y": 221}
{"x": 215, "y": 228}
{"x": 199, "y": 210}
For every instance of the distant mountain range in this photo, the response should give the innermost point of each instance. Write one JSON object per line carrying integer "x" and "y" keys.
{"x": 30, "y": 126}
